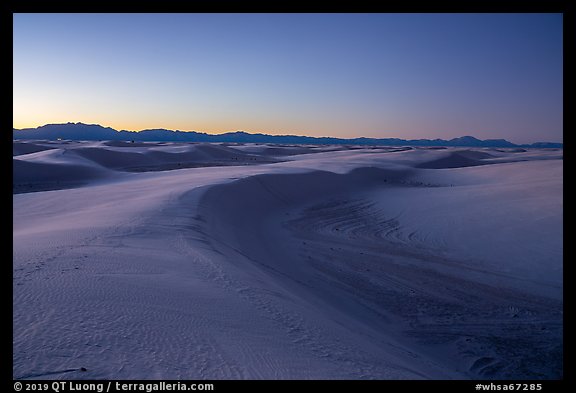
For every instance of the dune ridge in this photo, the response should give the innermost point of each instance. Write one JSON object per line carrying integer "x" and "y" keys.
{"x": 337, "y": 263}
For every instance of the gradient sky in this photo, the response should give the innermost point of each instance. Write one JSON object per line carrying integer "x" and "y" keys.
{"x": 345, "y": 75}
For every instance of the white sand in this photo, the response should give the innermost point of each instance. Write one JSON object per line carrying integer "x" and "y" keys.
{"x": 336, "y": 263}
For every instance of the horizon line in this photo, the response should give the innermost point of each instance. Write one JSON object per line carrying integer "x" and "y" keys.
{"x": 280, "y": 135}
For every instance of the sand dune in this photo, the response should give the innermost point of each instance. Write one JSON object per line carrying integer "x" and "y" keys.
{"x": 266, "y": 150}
{"x": 457, "y": 159}
{"x": 159, "y": 157}
{"x": 335, "y": 264}
{"x": 52, "y": 169}
{"x": 133, "y": 144}
{"x": 73, "y": 165}
{"x": 20, "y": 148}
{"x": 371, "y": 252}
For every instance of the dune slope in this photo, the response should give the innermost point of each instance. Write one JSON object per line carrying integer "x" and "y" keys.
{"x": 343, "y": 264}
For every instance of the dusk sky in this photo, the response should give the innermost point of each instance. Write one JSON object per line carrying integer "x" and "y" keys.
{"x": 344, "y": 75}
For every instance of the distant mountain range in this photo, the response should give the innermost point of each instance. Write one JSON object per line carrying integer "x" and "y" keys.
{"x": 95, "y": 132}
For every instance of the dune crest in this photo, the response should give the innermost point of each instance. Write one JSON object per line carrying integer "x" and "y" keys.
{"x": 286, "y": 262}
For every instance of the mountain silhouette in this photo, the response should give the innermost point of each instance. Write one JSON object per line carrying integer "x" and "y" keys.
{"x": 95, "y": 132}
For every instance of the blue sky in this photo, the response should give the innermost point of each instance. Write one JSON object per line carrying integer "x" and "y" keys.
{"x": 346, "y": 75}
